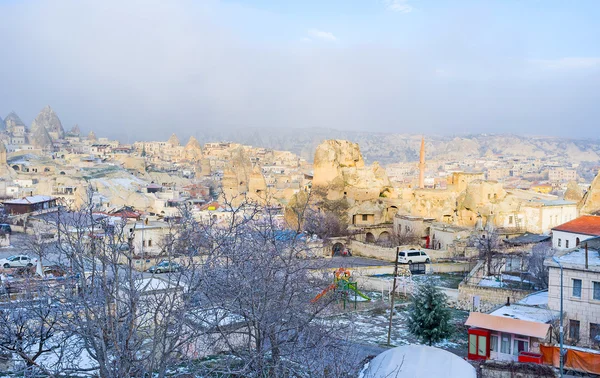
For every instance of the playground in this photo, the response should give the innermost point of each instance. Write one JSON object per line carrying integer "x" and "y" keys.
{"x": 365, "y": 314}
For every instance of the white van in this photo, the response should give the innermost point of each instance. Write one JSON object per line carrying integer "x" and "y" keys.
{"x": 411, "y": 257}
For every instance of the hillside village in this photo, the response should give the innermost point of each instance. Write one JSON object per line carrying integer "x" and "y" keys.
{"x": 512, "y": 241}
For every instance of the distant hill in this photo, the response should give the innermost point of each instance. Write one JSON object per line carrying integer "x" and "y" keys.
{"x": 392, "y": 148}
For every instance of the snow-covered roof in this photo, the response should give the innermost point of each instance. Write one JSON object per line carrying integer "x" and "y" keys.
{"x": 29, "y": 200}
{"x": 529, "y": 313}
{"x": 536, "y": 299}
{"x": 409, "y": 361}
{"x": 576, "y": 259}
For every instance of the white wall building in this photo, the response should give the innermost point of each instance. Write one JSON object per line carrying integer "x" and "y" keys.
{"x": 569, "y": 235}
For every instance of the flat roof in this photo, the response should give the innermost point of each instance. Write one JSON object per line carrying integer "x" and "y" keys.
{"x": 508, "y": 325}
{"x": 29, "y": 200}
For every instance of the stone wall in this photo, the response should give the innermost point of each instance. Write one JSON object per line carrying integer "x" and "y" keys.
{"x": 388, "y": 254}
{"x": 490, "y": 297}
{"x": 497, "y": 369}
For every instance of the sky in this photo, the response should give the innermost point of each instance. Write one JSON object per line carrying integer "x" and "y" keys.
{"x": 143, "y": 69}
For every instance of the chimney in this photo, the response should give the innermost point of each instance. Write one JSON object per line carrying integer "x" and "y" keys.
{"x": 507, "y": 301}
{"x": 586, "y": 256}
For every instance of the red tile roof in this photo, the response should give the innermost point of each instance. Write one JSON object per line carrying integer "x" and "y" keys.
{"x": 585, "y": 224}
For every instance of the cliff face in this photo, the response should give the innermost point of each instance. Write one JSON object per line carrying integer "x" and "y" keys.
{"x": 590, "y": 203}
{"x": 48, "y": 120}
{"x": 340, "y": 170}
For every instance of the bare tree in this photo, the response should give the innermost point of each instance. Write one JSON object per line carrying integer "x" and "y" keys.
{"x": 261, "y": 290}
{"x": 405, "y": 238}
{"x": 535, "y": 262}
{"x": 491, "y": 251}
{"x": 30, "y": 327}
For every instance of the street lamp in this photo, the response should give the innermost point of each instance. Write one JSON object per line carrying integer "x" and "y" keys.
{"x": 561, "y": 314}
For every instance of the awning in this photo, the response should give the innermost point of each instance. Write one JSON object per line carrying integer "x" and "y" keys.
{"x": 508, "y": 325}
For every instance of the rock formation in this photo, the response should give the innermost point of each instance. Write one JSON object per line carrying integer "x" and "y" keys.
{"x": 173, "y": 141}
{"x": 39, "y": 136}
{"x": 75, "y": 131}
{"x": 12, "y": 121}
{"x": 340, "y": 170}
{"x": 573, "y": 192}
{"x": 49, "y": 120}
{"x": 590, "y": 203}
{"x": 243, "y": 181}
{"x": 3, "y": 164}
{"x": 192, "y": 150}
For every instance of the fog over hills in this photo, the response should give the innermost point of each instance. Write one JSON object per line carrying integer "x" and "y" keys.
{"x": 390, "y": 147}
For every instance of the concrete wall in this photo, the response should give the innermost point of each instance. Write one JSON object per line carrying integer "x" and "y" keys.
{"x": 490, "y": 297}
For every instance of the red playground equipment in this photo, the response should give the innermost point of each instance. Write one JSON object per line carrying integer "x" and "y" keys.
{"x": 342, "y": 283}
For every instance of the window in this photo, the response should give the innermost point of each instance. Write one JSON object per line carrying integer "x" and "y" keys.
{"x": 494, "y": 342}
{"x": 577, "y": 242}
{"x": 150, "y": 243}
{"x": 505, "y": 343}
{"x": 520, "y": 344}
{"x": 559, "y": 242}
{"x": 577, "y": 288}
{"x": 472, "y": 344}
{"x": 365, "y": 217}
{"x": 481, "y": 346}
{"x": 595, "y": 333}
{"x": 596, "y": 293}
{"x": 567, "y": 243}
{"x": 574, "y": 329}
{"x": 510, "y": 219}
{"x": 143, "y": 243}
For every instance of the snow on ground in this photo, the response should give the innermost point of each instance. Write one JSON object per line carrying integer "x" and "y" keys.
{"x": 371, "y": 327}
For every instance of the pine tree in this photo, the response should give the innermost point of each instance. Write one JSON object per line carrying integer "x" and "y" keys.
{"x": 429, "y": 316}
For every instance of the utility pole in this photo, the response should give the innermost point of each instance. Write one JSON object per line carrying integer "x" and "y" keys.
{"x": 392, "y": 300}
{"x": 561, "y": 315}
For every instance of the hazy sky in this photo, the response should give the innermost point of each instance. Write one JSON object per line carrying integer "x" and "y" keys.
{"x": 144, "y": 69}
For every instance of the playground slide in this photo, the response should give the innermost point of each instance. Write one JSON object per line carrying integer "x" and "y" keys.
{"x": 329, "y": 288}
{"x": 359, "y": 293}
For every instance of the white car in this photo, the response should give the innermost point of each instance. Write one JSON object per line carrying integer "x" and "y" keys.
{"x": 17, "y": 261}
{"x": 412, "y": 257}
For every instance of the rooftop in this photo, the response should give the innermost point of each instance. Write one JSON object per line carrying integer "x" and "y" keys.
{"x": 29, "y": 200}
{"x": 585, "y": 224}
{"x": 527, "y": 238}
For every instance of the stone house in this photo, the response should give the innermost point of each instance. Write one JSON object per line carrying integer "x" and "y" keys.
{"x": 581, "y": 292}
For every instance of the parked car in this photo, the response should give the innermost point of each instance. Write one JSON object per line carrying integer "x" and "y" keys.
{"x": 5, "y": 227}
{"x": 413, "y": 257}
{"x": 164, "y": 267}
{"x": 17, "y": 261}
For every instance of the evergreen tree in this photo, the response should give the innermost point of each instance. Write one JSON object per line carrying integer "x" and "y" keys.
{"x": 429, "y": 316}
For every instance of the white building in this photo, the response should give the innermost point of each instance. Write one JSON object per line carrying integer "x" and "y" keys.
{"x": 569, "y": 235}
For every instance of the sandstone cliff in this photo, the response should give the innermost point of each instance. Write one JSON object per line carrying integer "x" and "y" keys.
{"x": 340, "y": 170}
{"x": 590, "y": 203}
